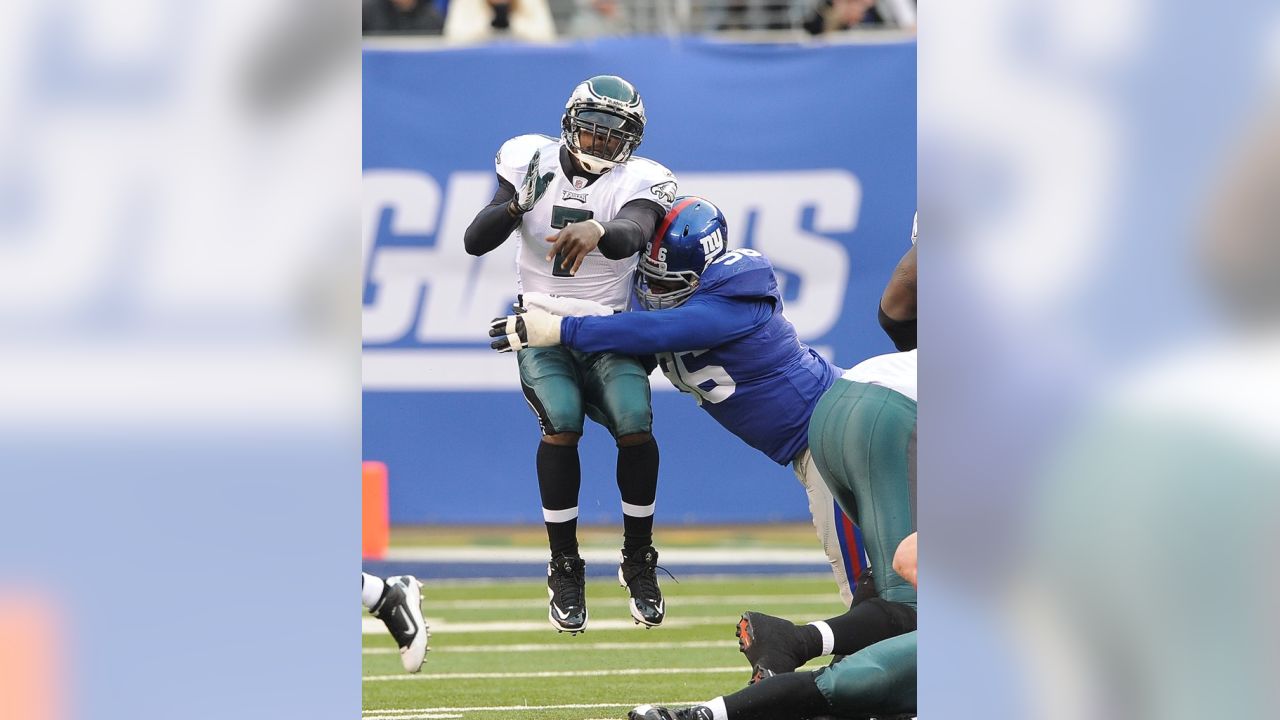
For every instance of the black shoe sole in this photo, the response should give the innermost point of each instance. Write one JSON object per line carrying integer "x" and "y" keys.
{"x": 746, "y": 639}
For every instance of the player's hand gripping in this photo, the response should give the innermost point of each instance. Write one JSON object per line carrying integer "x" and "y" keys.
{"x": 533, "y": 187}
{"x": 575, "y": 242}
{"x": 529, "y": 327}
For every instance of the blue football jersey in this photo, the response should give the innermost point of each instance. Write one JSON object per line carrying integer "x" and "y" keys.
{"x": 730, "y": 347}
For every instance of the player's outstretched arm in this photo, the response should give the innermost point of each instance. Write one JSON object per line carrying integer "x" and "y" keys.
{"x": 493, "y": 224}
{"x": 619, "y": 238}
{"x": 702, "y": 322}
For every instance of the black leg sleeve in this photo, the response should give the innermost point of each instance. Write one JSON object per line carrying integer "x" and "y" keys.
{"x": 559, "y": 479}
{"x": 867, "y": 623}
{"x": 638, "y": 485}
{"x": 791, "y": 696}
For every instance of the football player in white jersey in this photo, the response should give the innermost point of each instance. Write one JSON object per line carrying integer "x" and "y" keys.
{"x": 581, "y": 208}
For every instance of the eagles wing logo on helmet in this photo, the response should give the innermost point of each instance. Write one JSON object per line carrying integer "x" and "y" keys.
{"x": 608, "y": 112}
{"x": 666, "y": 191}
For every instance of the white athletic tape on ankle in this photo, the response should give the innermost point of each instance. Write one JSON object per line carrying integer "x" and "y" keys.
{"x": 370, "y": 589}
{"x": 638, "y": 510}
{"x": 828, "y": 637}
{"x": 559, "y": 516}
{"x": 717, "y": 708}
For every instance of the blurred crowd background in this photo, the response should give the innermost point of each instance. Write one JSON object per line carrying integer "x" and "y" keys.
{"x": 547, "y": 20}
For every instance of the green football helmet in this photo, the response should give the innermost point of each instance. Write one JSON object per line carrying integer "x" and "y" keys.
{"x": 608, "y": 111}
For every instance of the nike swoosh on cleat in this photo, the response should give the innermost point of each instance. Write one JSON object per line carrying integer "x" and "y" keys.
{"x": 409, "y": 626}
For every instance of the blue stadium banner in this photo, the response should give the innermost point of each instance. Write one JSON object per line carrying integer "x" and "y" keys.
{"x": 810, "y": 150}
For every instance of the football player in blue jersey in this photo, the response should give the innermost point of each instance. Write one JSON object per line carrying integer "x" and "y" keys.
{"x": 719, "y": 335}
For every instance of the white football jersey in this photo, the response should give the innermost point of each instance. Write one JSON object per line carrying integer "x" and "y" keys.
{"x": 896, "y": 371}
{"x": 571, "y": 199}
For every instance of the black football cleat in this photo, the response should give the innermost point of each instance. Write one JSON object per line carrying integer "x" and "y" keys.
{"x": 400, "y": 609}
{"x": 638, "y": 574}
{"x": 567, "y": 590}
{"x": 772, "y": 645}
{"x": 653, "y": 712}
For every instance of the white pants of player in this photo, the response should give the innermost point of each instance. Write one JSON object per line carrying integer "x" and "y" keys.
{"x": 826, "y": 521}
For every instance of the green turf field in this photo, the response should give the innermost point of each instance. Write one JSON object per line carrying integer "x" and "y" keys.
{"x": 494, "y": 656}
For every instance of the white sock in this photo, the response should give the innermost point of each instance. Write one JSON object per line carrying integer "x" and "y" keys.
{"x": 828, "y": 637}
{"x": 718, "y": 712}
{"x": 370, "y": 589}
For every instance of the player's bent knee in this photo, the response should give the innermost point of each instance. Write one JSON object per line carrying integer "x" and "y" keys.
{"x": 634, "y": 439}
{"x": 565, "y": 439}
{"x": 631, "y": 422}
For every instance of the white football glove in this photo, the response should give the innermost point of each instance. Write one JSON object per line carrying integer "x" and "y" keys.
{"x": 532, "y": 188}
{"x": 529, "y": 327}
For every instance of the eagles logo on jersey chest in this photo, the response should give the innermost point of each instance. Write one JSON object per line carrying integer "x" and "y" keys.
{"x": 578, "y": 184}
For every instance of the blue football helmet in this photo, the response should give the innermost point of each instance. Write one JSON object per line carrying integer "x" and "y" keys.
{"x": 689, "y": 239}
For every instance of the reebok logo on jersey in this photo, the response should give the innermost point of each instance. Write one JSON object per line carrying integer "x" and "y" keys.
{"x": 570, "y": 195}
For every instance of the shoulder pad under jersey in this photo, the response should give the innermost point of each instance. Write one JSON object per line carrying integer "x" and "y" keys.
{"x": 740, "y": 274}
{"x": 652, "y": 180}
{"x": 513, "y": 157}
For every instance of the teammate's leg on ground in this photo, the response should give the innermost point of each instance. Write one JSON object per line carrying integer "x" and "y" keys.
{"x": 793, "y": 696}
{"x": 775, "y": 645}
{"x": 880, "y": 679}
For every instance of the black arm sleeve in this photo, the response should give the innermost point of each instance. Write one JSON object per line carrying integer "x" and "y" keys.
{"x": 629, "y": 230}
{"x": 493, "y": 224}
{"x": 901, "y": 332}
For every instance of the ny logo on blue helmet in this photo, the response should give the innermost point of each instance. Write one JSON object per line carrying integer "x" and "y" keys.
{"x": 689, "y": 239}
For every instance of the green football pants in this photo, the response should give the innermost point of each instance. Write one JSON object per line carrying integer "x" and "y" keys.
{"x": 862, "y": 438}
{"x": 562, "y": 385}
{"x": 877, "y": 680}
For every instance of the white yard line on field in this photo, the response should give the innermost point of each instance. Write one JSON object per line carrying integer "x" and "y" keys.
{"x": 374, "y": 626}
{"x": 421, "y": 716}
{"x": 736, "y": 669}
{"x": 746, "y": 601}
{"x": 674, "y": 556}
{"x": 407, "y": 713}
{"x": 574, "y": 647}
{"x": 777, "y": 580}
